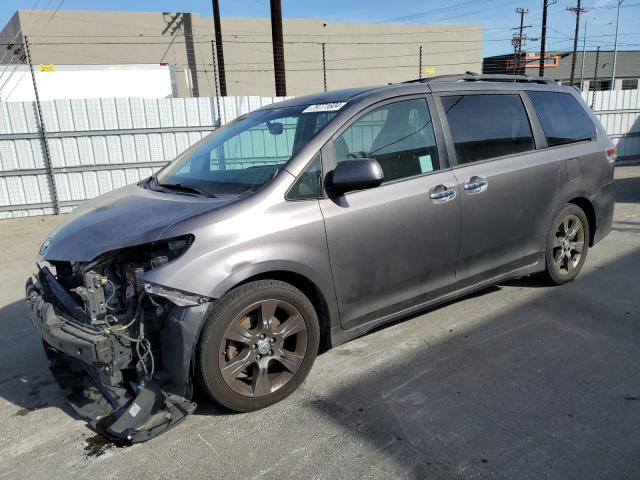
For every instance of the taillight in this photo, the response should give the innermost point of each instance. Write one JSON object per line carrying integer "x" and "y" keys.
{"x": 612, "y": 154}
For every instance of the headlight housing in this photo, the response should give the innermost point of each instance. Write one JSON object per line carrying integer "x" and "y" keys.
{"x": 147, "y": 256}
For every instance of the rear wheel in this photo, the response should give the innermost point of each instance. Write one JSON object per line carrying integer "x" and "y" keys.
{"x": 567, "y": 245}
{"x": 258, "y": 345}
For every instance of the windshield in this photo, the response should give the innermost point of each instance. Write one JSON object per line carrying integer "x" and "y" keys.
{"x": 244, "y": 154}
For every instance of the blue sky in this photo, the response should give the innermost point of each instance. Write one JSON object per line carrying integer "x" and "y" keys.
{"x": 496, "y": 16}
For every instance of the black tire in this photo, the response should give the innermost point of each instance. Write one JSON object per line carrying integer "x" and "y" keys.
{"x": 563, "y": 259}
{"x": 248, "y": 308}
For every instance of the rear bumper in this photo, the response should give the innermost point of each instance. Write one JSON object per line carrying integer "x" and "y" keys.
{"x": 603, "y": 205}
{"x": 89, "y": 366}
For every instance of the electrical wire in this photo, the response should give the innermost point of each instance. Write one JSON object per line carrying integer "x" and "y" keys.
{"x": 251, "y": 33}
{"x": 113, "y": 292}
{"x": 14, "y": 54}
{"x": 268, "y": 42}
{"x": 435, "y": 11}
{"x": 16, "y": 68}
{"x": 142, "y": 344}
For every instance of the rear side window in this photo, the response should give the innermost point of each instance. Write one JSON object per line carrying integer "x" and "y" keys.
{"x": 562, "y": 117}
{"x": 487, "y": 126}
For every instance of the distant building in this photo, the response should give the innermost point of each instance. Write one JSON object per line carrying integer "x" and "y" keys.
{"x": 558, "y": 67}
{"x": 354, "y": 54}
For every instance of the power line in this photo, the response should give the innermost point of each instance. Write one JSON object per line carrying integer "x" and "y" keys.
{"x": 153, "y": 29}
{"x": 436, "y": 11}
{"x": 251, "y": 33}
{"x": 14, "y": 54}
{"x": 289, "y": 42}
{"x": 376, "y": 57}
{"x": 12, "y": 42}
{"x": 4, "y": 85}
{"x": 347, "y": 68}
{"x": 484, "y": 10}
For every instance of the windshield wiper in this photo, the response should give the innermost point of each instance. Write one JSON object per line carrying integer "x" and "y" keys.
{"x": 187, "y": 188}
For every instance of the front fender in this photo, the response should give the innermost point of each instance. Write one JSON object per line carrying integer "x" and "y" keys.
{"x": 276, "y": 268}
{"x": 266, "y": 267}
{"x": 178, "y": 339}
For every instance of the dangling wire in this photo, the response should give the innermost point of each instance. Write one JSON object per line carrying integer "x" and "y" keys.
{"x": 143, "y": 346}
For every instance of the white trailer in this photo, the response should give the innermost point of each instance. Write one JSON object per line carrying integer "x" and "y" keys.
{"x": 86, "y": 81}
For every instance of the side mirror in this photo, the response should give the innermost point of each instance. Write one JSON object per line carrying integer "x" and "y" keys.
{"x": 356, "y": 174}
{"x": 275, "y": 128}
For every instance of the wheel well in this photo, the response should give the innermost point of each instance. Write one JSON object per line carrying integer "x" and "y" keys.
{"x": 313, "y": 293}
{"x": 589, "y": 211}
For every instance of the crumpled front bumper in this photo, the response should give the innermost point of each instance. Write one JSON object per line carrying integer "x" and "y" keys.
{"x": 82, "y": 360}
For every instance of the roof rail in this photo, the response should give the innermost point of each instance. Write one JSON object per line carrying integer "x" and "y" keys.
{"x": 475, "y": 77}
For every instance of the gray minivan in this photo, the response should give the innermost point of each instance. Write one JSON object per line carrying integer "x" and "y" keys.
{"x": 306, "y": 223}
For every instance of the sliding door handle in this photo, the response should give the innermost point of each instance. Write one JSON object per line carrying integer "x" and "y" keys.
{"x": 476, "y": 185}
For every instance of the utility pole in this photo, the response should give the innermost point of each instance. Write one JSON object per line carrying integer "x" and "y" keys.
{"x": 187, "y": 30}
{"x": 595, "y": 78}
{"x": 219, "y": 50}
{"x": 518, "y": 40}
{"x": 43, "y": 135}
{"x": 543, "y": 38}
{"x": 577, "y": 10}
{"x": 615, "y": 48}
{"x": 278, "y": 48}
{"x": 420, "y": 63}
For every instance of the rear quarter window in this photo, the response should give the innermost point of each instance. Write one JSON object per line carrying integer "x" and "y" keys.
{"x": 485, "y": 126}
{"x": 564, "y": 120}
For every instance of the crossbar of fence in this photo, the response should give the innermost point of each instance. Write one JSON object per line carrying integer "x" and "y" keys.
{"x": 97, "y": 145}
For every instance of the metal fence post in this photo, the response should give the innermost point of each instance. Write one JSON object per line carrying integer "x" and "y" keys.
{"x": 43, "y": 136}
{"x": 595, "y": 78}
{"x": 324, "y": 68}
{"x": 215, "y": 81}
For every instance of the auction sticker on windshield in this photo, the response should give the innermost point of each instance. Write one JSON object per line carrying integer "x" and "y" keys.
{"x": 324, "y": 107}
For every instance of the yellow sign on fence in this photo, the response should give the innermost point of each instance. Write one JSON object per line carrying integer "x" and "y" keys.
{"x": 429, "y": 71}
{"x": 47, "y": 68}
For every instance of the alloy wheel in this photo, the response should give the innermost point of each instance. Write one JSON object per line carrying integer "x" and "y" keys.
{"x": 263, "y": 347}
{"x": 568, "y": 244}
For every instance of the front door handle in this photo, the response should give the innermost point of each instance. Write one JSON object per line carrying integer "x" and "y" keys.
{"x": 476, "y": 184}
{"x": 442, "y": 193}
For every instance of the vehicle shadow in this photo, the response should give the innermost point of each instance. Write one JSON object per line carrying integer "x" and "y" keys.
{"x": 627, "y": 189}
{"x": 543, "y": 389}
{"x": 25, "y": 379}
{"x": 207, "y": 406}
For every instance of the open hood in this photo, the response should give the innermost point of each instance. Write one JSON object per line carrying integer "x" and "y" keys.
{"x": 125, "y": 217}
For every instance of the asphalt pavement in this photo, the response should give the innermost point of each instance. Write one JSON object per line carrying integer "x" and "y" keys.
{"x": 518, "y": 381}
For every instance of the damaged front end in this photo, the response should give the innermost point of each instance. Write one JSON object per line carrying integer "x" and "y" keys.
{"x": 120, "y": 347}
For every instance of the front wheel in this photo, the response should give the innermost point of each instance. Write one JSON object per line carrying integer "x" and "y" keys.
{"x": 258, "y": 345}
{"x": 567, "y": 245}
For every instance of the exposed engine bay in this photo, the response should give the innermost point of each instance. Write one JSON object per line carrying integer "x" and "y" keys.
{"x": 121, "y": 347}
